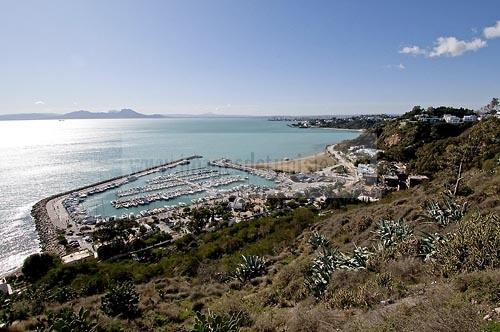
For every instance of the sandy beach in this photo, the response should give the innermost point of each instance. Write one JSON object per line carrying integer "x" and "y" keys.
{"x": 307, "y": 164}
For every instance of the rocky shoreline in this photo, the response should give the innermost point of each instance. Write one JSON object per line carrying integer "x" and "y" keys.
{"x": 47, "y": 232}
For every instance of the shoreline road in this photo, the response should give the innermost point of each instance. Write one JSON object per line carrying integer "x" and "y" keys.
{"x": 349, "y": 166}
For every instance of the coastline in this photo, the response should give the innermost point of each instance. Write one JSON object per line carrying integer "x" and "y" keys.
{"x": 331, "y": 128}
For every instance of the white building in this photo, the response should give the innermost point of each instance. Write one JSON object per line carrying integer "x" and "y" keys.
{"x": 366, "y": 169}
{"x": 451, "y": 119}
{"x": 469, "y": 118}
{"x": 77, "y": 256}
{"x": 5, "y": 287}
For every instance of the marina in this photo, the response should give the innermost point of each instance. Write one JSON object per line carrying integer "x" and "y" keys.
{"x": 143, "y": 194}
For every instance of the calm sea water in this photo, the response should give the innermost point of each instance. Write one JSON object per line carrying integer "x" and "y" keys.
{"x": 41, "y": 158}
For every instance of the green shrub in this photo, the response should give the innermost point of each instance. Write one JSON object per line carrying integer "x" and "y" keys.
{"x": 63, "y": 294}
{"x": 37, "y": 265}
{"x": 474, "y": 245}
{"x": 121, "y": 300}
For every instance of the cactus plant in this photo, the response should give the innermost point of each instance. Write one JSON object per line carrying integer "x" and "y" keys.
{"x": 66, "y": 321}
{"x": 321, "y": 270}
{"x": 212, "y": 322}
{"x": 251, "y": 267}
{"x": 428, "y": 245}
{"x": 330, "y": 260}
{"x": 391, "y": 232}
{"x": 450, "y": 211}
{"x": 360, "y": 257}
{"x": 318, "y": 240}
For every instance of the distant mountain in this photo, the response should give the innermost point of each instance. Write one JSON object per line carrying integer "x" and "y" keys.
{"x": 122, "y": 114}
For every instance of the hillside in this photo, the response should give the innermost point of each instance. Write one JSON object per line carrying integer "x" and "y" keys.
{"x": 417, "y": 260}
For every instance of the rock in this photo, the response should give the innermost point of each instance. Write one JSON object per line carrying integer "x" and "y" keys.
{"x": 487, "y": 317}
{"x": 497, "y": 310}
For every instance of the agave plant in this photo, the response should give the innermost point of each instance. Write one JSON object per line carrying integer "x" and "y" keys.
{"x": 251, "y": 267}
{"x": 391, "y": 232}
{"x": 321, "y": 271}
{"x": 330, "y": 260}
{"x": 212, "y": 322}
{"x": 360, "y": 257}
{"x": 68, "y": 321}
{"x": 444, "y": 214}
{"x": 428, "y": 245}
{"x": 318, "y": 240}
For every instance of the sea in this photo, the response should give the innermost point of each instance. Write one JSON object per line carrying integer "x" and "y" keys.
{"x": 44, "y": 157}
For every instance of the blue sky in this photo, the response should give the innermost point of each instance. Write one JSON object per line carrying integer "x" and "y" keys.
{"x": 247, "y": 57}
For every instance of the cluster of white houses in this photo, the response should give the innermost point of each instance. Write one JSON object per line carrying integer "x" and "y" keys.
{"x": 448, "y": 118}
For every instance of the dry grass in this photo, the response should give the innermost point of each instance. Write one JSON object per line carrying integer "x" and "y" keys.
{"x": 439, "y": 311}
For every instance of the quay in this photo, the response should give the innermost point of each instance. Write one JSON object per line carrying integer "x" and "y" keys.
{"x": 227, "y": 163}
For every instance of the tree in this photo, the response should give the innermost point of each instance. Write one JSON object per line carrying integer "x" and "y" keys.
{"x": 37, "y": 265}
{"x": 111, "y": 249}
{"x": 199, "y": 218}
{"x": 494, "y": 103}
{"x": 416, "y": 110}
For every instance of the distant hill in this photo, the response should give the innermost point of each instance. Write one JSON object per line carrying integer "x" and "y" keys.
{"x": 122, "y": 114}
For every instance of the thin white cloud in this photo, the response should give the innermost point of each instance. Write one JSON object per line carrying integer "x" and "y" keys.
{"x": 492, "y": 32}
{"x": 451, "y": 46}
{"x": 399, "y": 67}
{"x": 413, "y": 50}
{"x": 39, "y": 102}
